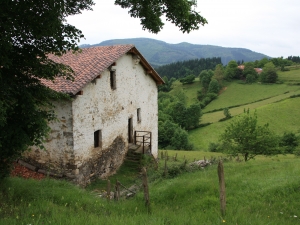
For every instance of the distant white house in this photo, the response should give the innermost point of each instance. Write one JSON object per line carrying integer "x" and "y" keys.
{"x": 113, "y": 100}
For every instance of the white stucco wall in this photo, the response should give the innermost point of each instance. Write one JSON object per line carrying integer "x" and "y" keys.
{"x": 58, "y": 152}
{"x": 101, "y": 108}
{"x": 70, "y": 146}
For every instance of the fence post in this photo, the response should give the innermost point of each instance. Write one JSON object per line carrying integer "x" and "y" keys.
{"x": 222, "y": 187}
{"x": 166, "y": 168}
{"x": 143, "y": 144}
{"x": 146, "y": 188}
{"x": 108, "y": 190}
{"x": 117, "y": 191}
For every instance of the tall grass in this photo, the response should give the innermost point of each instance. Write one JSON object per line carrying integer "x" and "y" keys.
{"x": 261, "y": 191}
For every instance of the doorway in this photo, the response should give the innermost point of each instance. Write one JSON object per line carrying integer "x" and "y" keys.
{"x": 130, "y": 131}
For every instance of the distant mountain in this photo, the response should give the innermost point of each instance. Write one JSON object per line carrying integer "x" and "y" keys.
{"x": 161, "y": 53}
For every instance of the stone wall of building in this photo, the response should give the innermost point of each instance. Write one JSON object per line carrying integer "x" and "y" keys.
{"x": 104, "y": 111}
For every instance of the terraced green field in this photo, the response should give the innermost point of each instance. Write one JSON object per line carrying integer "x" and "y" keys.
{"x": 282, "y": 116}
{"x": 272, "y": 103}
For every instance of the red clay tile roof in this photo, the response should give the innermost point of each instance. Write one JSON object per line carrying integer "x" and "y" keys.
{"x": 90, "y": 63}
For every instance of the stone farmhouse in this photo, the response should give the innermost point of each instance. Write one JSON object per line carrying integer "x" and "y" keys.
{"x": 113, "y": 106}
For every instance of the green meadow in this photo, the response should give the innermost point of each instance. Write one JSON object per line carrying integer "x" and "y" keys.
{"x": 273, "y": 104}
{"x": 261, "y": 191}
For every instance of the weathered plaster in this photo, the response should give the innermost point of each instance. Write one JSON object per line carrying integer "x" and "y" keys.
{"x": 70, "y": 146}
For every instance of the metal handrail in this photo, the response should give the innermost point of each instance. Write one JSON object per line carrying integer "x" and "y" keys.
{"x": 145, "y": 137}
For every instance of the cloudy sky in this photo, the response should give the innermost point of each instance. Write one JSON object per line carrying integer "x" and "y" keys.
{"x": 265, "y": 26}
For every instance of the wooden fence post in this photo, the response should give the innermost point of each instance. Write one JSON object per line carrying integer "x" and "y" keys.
{"x": 222, "y": 187}
{"x": 117, "y": 191}
{"x": 108, "y": 190}
{"x": 166, "y": 168}
{"x": 146, "y": 188}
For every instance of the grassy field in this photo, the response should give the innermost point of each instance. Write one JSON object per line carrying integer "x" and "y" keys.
{"x": 272, "y": 103}
{"x": 242, "y": 94}
{"x": 290, "y": 77}
{"x": 282, "y": 116}
{"x": 261, "y": 191}
{"x": 190, "y": 90}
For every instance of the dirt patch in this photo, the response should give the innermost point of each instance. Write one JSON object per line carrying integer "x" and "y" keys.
{"x": 22, "y": 171}
{"x": 222, "y": 90}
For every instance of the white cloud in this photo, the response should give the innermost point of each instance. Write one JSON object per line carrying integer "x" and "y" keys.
{"x": 268, "y": 27}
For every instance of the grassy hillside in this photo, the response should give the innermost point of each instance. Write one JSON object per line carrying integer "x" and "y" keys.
{"x": 261, "y": 191}
{"x": 272, "y": 102}
{"x": 161, "y": 53}
{"x": 282, "y": 116}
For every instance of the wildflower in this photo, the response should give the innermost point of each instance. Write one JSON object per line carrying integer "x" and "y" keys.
{"x": 223, "y": 221}
{"x": 32, "y": 215}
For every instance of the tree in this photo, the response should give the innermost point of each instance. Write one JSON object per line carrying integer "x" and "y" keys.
{"x": 231, "y": 70}
{"x": 205, "y": 77}
{"x": 249, "y": 73}
{"x": 30, "y": 31}
{"x": 244, "y": 136}
{"x": 188, "y": 79}
{"x": 289, "y": 141}
{"x": 168, "y": 84}
{"x": 269, "y": 74}
{"x": 219, "y": 74}
{"x": 179, "y": 12}
{"x": 193, "y": 115}
{"x": 213, "y": 86}
{"x": 172, "y": 135}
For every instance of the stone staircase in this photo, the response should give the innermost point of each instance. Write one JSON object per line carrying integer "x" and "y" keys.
{"x": 134, "y": 156}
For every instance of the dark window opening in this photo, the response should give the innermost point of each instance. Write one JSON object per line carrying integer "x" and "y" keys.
{"x": 98, "y": 138}
{"x": 139, "y": 115}
{"x": 130, "y": 131}
{"x": 113, "y": 80}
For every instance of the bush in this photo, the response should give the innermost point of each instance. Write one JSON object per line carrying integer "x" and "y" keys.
{"x": 213, "y": 147}
{"x": 289, "y": 141}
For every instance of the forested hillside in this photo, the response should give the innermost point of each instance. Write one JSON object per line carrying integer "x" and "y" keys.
{"x": 190, "y": 67}
{"x": 161, "y": 53}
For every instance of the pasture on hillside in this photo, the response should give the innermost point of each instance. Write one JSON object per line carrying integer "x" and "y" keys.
{"x": 261, "y": 191}
{"x": 282, "y": 116}
{"x": 271, "y": 101}
{"x": 291, "y": 77}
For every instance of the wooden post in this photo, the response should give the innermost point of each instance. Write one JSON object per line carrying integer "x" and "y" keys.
{"x": 117, "y": 191}
{"x": 146, "y": 188}
{"x": 185, "y": 162}
{"x": 161, "y": 154}
{"x": 222, "y": 187}
{"x": 108, "y": 190}
{"x": 166, "y": 168}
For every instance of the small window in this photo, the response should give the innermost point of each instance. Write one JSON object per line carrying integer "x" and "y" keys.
{"x": 139, "y": 119}
{"x": 113, "y": 80}
{"x": 98, "y": 138}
